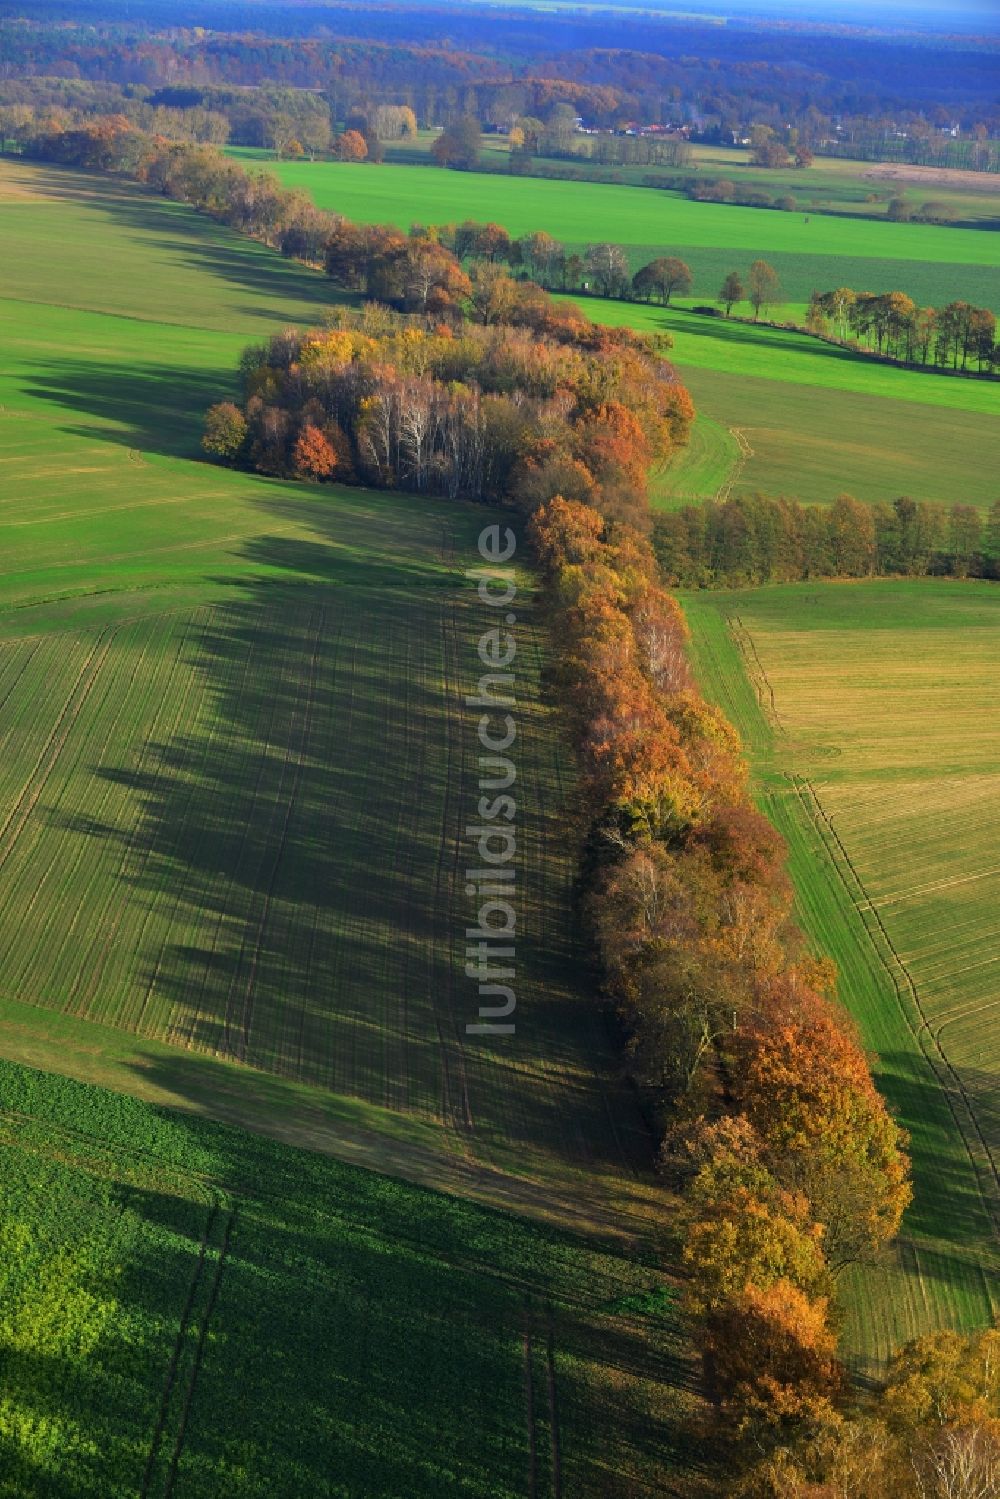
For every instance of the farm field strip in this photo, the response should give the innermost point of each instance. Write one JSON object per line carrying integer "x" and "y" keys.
{"x": 183, "y": 1250}
{"x": 886, "y": 792}
{"x": 814, "y": 443}
{"x": 244, "y": 839}
{"x": 932, "y": 263}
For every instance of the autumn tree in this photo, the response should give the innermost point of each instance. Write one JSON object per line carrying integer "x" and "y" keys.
{"x": 731, "y": 291}
{"x": 459, "y": 145}
{"x": 608, "y": 265}
{"x": 225, "y": 431}
{"x": 350, "y": 146}
{"x": 662, "y": 278}
{"x": 764, "y": 287}
{"x": 771, "y": 1362}
{"x": 825, "y": 1132}
{"x": 746, "y": 1230}
{"x": 313, "y": 456}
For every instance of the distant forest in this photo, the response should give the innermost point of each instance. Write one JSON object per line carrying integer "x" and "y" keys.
{"x": 445, "y": 62}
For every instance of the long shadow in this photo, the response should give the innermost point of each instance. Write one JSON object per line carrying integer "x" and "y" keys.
{"x": 156, "y": 407}
{"x": 298, "y": 846}
{"x": 204, "y": 245}
{"x": 952, "y": 1204}
{"x": 360, "y": 1327}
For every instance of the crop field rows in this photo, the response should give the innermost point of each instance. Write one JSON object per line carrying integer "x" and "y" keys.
{"x": 239, "y": 829}
{"x": 863, "y": 707}
{"x": 149, "y": 1257}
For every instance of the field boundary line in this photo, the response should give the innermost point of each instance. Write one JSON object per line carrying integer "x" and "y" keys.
{"x": 947, "y": 1075}
{"x": 529, "y": 1404}
{"x": 550, "y": 1373}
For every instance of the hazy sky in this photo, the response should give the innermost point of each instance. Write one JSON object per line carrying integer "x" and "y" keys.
{"x": 941, "y": 13}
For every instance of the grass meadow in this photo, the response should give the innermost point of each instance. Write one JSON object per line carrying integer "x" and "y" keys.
{"x": 833, "y": 185}
{"x": 811, "y": 420}
{"x": 933, "y": 263}
{"x": 864, "y": 708}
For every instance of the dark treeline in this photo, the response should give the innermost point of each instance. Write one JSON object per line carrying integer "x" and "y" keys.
{"x": 755, "y": 539}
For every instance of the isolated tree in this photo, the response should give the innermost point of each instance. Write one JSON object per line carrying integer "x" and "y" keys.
{"x": 765, "y": 288}
{"x": 225, "y": 431}
{"x": 662, "y": 278}
{"x": 731, "y": 291}
{"x": 459, "y": 146}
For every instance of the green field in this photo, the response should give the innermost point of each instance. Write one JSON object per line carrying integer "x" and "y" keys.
{"x": 933, "y": 264}
{"x": 830, "y": 185}
{"x": 866, "y": 709}
{"x": 789, "y": 414}
{"x": 237, "y": 770}
{"x": 192, "y": 1311}
{"x": 236, "y": 774}
{"x": 815, "y": 420}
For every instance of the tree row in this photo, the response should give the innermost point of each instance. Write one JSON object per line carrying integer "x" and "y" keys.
{"x": 755, "y": 539}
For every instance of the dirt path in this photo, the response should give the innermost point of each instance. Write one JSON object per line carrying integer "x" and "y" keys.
{"x": 725, "y": 489}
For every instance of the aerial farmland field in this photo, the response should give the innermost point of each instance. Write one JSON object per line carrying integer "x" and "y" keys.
{"x": 930, "y": 262}
{"x": 863, "y": 708}
{"x": 232, "y": 729}
{"x": 236, "y": 776}
{"x": 813, "y": 420}
{"x": 163, "y": 1276}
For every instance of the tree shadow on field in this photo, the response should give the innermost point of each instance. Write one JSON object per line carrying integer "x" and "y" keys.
{"x": 197, "y": 243}
{"x": 955, "y": 1198}
{"x": 294, "y": 869}
{"x": 154, "y": 407}
{"x": 271, "y": 1320}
